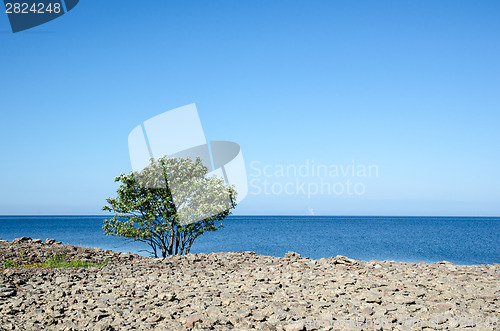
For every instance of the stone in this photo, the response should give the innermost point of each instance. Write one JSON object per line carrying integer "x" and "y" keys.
{"x": 7, "y": 292}
{"x": 292, "y": 256}
{"x": 367, "y": 311}
{"x": 403, "y": 300}
{"x": 267, "y": 327}
{"x": 443, "y": 306}
{"x": 107, "y": 298}
{"x": 62, "y": 279}
{"x": 373, "y": 298}
{"x": 166, "y": 296}
{"x": 339, "y": 259}
{"x": 21, "y": 239}
{"x": 295, "y": 326}
{"x": 192, "y": 320}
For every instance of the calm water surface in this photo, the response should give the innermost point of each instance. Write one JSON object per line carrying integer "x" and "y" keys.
{"x": 462, "y": 240}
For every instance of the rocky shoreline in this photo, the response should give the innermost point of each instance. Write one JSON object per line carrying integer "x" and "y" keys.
{"x": 240, "y": 291}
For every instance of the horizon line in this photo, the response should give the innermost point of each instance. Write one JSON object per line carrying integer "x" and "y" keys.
{"x": 274, "y": 215}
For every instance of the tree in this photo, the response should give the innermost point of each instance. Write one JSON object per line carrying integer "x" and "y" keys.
{"x": 168, "y": 205}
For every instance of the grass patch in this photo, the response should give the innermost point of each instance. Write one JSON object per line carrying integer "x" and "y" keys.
{"x": 10, "y": 263}
{"x": 57, "y": 261}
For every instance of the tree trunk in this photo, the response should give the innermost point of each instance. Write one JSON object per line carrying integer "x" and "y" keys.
{"x": 154, "y": 248}
{"x": 171, "y": 241}
{"x": 177, "y": 238}
{"x": 188, "y": 249}
{"x": 183, "y": 245}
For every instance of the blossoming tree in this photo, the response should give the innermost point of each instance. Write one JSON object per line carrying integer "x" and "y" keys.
{"x": 168, "y": 205}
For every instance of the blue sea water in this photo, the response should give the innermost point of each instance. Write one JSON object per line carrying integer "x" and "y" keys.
{"x": 461, "y": 240}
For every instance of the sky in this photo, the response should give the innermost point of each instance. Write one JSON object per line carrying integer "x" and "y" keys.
{"x": 408, "y": 89}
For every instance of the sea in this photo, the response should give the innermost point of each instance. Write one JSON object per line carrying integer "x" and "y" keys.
{"x": 460, "y": 240}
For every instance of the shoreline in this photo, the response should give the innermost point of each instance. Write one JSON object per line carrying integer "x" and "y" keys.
{"x": 110, "y": 252}
{"x": 402, "y": 239}
{"x": 145, "y": 255}
{"x": 241, "y": 291}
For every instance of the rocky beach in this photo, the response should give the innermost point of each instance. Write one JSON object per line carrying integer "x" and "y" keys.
{"x": 238, "y": 291}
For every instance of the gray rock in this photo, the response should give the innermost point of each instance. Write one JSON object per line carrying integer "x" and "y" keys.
{"x": 21, "y": 239}
{"x": 7, "y": 292}
{"x": 295, "y": 326}
{"x": 62, "y": 279}
{"x": 192, "y": 320}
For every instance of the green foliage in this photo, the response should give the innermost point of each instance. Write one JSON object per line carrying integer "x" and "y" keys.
{"x": 144, "y": 206}
{"x": 10, "y": 264}
{"x": 57, "y": 261}
{"x": 60, "y": 261}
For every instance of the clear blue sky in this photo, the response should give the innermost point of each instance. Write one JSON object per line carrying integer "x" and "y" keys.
{"x": 410, "y": 86}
